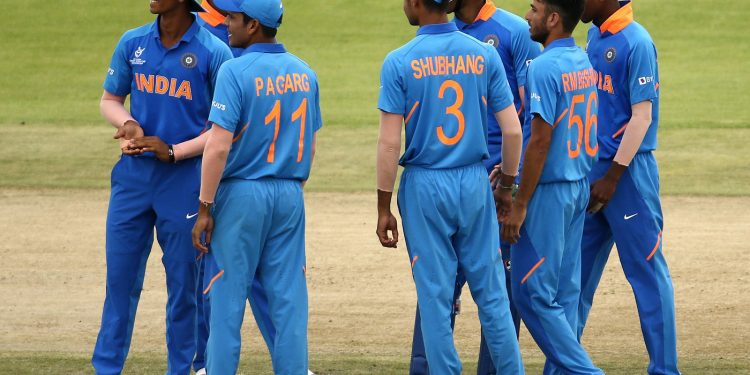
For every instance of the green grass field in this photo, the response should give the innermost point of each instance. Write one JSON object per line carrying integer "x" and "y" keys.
{"x": 55, "y": 55}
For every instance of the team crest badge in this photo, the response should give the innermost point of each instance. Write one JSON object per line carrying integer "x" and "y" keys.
{"x": 189, "y": 60}
{"x": 136, "y": 60}
{"x": 610, "y": 55}
{"x": 492, "y": 40}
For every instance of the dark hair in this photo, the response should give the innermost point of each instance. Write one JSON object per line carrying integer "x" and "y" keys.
{"x": 569, "y": 10}
{"x": 434, "y": 5}
{"x": 268, "y": 32}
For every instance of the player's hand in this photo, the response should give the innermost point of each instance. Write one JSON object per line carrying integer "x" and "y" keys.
{"x": 151, "y": 144}
{"x": 511, "y": 230}
{"x": 202, "y": 230}
{"x": 495, "y": 175}
{"x": 387, "y": 222}
{"x": 601, "y": 192}
{"x": 127, "y": 132}
{"x": 503, "y": 203}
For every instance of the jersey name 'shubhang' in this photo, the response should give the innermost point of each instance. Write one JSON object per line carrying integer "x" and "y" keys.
{"x": 443, "y": 82}
{"x": 562, "y": 91}
{"x": 270, "y": 100}
{"x": 624, "y": 55}
{"x": 170, "y": 89}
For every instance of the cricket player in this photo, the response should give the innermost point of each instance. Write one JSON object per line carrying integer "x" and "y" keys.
{"x": 440, "y": 87}
{"x": 264, "y": 118}
{"x": 213, "y": 19}
{"x": 168, "y": 68}
{"x": 509, "y": 35}
{"x": 625, "y": 206}
{"x": 546, "y": 221}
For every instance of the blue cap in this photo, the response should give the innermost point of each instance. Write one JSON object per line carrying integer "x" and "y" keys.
{"x": 267, "y": 12}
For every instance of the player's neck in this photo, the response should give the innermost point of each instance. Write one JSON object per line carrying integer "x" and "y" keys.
{"x": 432, "y": 18}
{"x": 173, "y": 25}
{"x": 608, "y": 9}
{"x": 553, "y": 36}
{"x": 469, "y": 10}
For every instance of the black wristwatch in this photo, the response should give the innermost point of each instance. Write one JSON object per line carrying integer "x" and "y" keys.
{"x": 170, "y": 152}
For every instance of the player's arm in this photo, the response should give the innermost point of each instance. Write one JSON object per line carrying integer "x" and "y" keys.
{"x": 533, "y": 164}
{"x": 642, "y": 71}
{"x": 214, "y": 160}
{"x": 389, "y": 149}
{"x": 113, "y": 110}
{"x": 603, "y": 189}
{"x": 510, "y": 127}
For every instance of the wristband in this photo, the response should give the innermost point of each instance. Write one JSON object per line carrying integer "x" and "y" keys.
{"x": 206, "y": 204}
{"x": 170, "y": 152}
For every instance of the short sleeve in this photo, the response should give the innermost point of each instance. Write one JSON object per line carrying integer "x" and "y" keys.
{"x": 219, "y": 55}
{"x": 318, "y": 123}
{"x": 227, "y": 102}
{"x": 499, "y": 95}
{"x": 524, "y": 51}
{"x": 392, "y": 97}
{"x": 543, "y": 89}
{"x": 119, "y": 75}
{"x": 642, "y": 72}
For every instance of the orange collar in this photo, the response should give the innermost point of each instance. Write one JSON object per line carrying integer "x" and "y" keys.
{"x": 488, "y": 9}
{"x": 619, "y": 20}
{"x": 211, "y": 15}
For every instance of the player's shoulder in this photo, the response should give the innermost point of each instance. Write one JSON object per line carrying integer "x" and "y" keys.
{"x": 210, "y": 41}
{"x": 510, "y": 21}
{"x": 637, "y": 35}
{"x": 546, "y": 64}
{"x": 137, "y": 33}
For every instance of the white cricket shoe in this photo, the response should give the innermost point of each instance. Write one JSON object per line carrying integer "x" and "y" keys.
{"x": 201, "y": 372}
{"x": 310, "y": 372}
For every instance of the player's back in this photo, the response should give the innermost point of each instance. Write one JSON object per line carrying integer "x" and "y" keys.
{"x": 443, "y": 81}
{"x": 563, "y": 92}
{"x": 278, "y": 117}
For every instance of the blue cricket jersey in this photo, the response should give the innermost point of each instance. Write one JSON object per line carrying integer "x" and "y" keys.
{"x": 443, "y": 82}
{"x": 170, "y": 89}
{"x": 510, "y": 36}
{"x": 270, "y": 100}
{"x": 213, "y": 21}
{"x": 562, "y": 90}
{"x": 624, "y": 55}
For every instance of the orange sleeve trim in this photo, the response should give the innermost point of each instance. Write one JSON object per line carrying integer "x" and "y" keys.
{"x": 656, "y": 87}
{"x": 414, "y": 260}
{"x": 565, "y": 112}
{"x": 211, "y": 16}
{"x": 656, "y": 247}
{"x": 413, "y": 108}
{"x": 539, "y": 263}
{"x": 619, "y": 20}
{"x": 484, "y": 100}
{"x": 218, "y": 275}
{"x": 619, "y": 132}
{"x": 237, "y": 138}
{"x": 486, "y": 12}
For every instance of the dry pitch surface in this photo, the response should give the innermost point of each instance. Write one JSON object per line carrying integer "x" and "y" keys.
{"x": 361, "y": 296}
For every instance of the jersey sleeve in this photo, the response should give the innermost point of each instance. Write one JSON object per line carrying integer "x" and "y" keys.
{"x": 227, "y": 102}
{"x": 220, "y": 54}
{"x": 642, "y": 72}
{"x": 499, "y": 95}
{"x": 318, "y": 122}
{"x": 543, "y": 88}
{"x": 392, "y": 97}
{"x": 119, "y": 75}
{"x": 524, "y": 51}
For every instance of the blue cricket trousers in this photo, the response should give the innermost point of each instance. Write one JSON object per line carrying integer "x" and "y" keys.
{"x": 633, "y": 221}
{"x": 147, "y": 193}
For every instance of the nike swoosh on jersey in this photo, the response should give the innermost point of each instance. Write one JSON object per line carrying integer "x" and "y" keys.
{"x": 189, "y": 216}
{"x": 628, "y": 217}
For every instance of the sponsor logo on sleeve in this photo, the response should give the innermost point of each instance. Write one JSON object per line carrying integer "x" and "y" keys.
{"x": 645, "y": 80}
{"x": 535, "y": 96}
{"x": 218, "y": 105}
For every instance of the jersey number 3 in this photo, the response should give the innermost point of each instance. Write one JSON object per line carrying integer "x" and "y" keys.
{"x": 454, "y": 110}
{"x": 275, "y": 116}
